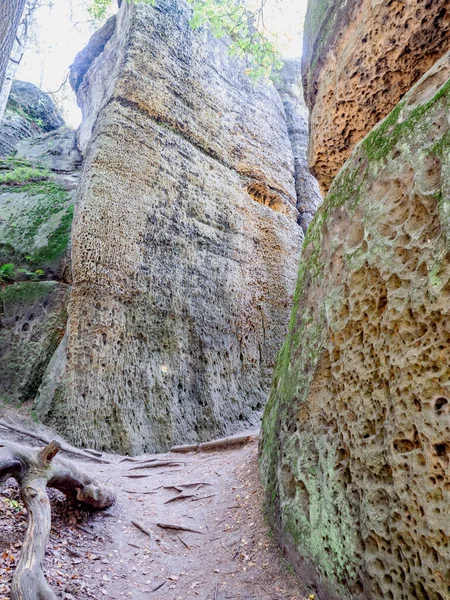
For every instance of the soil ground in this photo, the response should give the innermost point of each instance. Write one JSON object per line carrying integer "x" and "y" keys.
{"x": 95, "y": 555}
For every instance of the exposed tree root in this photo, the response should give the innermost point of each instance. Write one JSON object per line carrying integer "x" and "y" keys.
{"x": 34, "y": 470}
{"x": 220, "y": 444}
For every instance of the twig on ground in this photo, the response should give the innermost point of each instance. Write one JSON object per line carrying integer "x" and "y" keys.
{"x": 142, "y": 528}
{"x": 183, "y": 542}
{"x": 159, "y": 586}
{"x": 179, "y": 527}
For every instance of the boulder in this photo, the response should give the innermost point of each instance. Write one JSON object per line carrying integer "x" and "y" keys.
{"x": 185, "y": 243}
{"x": 356, "y": 439}
{"x": 360, "y": 57}
{"x": 29, "y": 112}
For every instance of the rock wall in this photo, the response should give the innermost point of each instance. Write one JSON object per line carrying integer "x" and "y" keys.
{"x": 29, "y": 113}
{"x": 185, "y": 241}
{"x": 356, "y": 435}
{"x": 359, "y": 58}
{"x": 289, "y": 86}
{"x": 36, "y": 208}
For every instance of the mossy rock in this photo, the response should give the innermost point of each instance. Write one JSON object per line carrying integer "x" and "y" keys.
{"x": 354, "y": 450}
{"x": 36, "y": 213}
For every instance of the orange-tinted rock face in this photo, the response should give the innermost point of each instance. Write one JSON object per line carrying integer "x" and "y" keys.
{"x": 355, "y": 450}
{"x": 360, "y": 58}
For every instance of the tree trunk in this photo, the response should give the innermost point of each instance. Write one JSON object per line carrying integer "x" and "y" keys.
{"x": 10, "y": 15}
{"x": 35, "y": 470}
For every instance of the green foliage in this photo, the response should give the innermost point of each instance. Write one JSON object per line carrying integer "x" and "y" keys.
{"x": 13, "y": 504}
{"x": 99, "y": 8}
{"x": 6, "y": 271}
{"x": 227, "y": 18}
{"x": 10, "y": 273}
{"x": 232, "y": 18}
{"x": 19, "y": 171}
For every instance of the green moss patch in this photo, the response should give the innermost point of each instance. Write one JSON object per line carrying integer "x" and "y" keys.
{"x": 38, "y": 222}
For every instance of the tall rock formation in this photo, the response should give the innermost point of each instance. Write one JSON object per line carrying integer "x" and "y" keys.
{"x": 356, "y": 435}
{"x": 185, "y": 241}
{"x": 360, "y": 57}
{"x": 289, "y": 86}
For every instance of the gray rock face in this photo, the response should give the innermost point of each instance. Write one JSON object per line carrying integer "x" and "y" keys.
{"x": 86, "y": 57}
{"x": 37, "y": 188}
{"x": 290, "y": 88}
{"x": 57, "y": 151}
{"x": 35, "y": 104}
{"x": 185, "y": 241}
{"x": 29, "y": 113}
{"x": 32, "y": 322}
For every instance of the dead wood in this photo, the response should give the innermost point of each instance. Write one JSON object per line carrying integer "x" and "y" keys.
{"x": 179, "y": 497}
{"x": 63, "y": 447}
{"x": 220, "y": 444}
{"x": 203, "y": 497}
{"x": 154, "y": 465}
{"x": 142, "y": 528}
{"x": 179, "y": 527}
{"x": 137, "y": 492}
{"x": 183, "y": 542}
{"x": 159, "y": 586}
{"x": 35, "y": 469}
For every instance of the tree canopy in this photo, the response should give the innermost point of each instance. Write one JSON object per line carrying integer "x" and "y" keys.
{"x": 227, "y": 18}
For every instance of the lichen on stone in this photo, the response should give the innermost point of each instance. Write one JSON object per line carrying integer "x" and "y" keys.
{"x": 355, "y": 446}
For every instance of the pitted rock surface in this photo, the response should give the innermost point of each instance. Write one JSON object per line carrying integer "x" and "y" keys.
{"x": 32, "y": 323}
{"x": 185, "y": 241}
{"x": 356, "y": 434}
{"x": 360, "y": 57}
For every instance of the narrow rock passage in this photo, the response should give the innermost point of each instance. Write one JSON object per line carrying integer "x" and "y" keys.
{"x": 123, "y": 553}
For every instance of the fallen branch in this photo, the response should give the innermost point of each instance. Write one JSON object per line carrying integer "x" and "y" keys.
{"x": 220, "y": 444}
{"x": 63, "y": 447}
{"x": 183, "y": 542}
{"x": 179, "y": 497}
{"x": 142, "y": 528}
{"x": 35, "y": 469}
{"x": 154, "y": 465}
{"x": 159, "y": 586}
{"x": 203, "y": 497}
{"x": 179, "y": 527}
{"x": 137, "y": 492}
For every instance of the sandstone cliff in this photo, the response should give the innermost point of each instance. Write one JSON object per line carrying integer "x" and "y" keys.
{"x": 356, "y": 437}
{"x": 360, "y": 57}
{"x": 289, "y": 86}
{"x": 185, "y": 242}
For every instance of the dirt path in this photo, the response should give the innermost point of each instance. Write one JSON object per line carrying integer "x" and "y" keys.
{"x": 104, "y": 555}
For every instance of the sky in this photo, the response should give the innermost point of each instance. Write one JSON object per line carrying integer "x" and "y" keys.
{"x": 63, "y": 27}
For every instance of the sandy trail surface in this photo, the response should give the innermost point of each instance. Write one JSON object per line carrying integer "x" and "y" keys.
{"x": 123, "y": 552}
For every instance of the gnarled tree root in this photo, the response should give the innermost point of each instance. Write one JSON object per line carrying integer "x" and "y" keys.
{"x": 34, "y": 470}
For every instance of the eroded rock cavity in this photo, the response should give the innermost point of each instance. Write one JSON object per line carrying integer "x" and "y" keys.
{"x": 360, "y": 57}
{"x": 185, "y": 241}
{"x": 356, "y": 441}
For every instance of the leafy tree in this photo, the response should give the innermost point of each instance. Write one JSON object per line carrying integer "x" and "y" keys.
{"x": 227, "y": 18}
